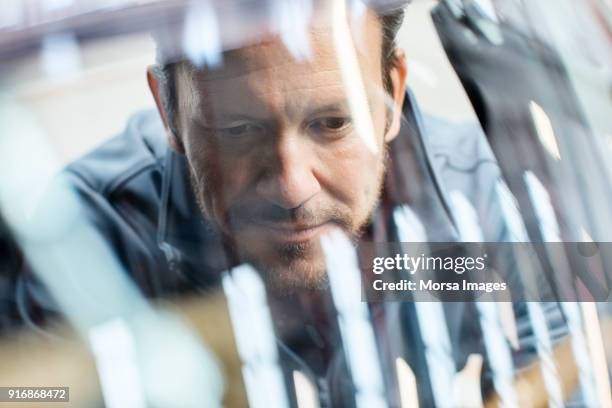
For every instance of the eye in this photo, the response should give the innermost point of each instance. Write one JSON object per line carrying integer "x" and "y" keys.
{"x": 242, "y": 130}
{"x": 331, "y": 124}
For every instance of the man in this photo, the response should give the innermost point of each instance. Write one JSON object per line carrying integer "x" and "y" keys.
{"x": 255, "y": 160}
{"x": 272, "y": 154}
{"x": 271, "y": 157}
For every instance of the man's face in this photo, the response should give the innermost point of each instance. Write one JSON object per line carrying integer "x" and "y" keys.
{"x": 275, "y": 157}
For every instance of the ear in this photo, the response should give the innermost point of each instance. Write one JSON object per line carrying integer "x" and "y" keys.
{"x": 398, "y": 74}
{"x": 173, "y": 140}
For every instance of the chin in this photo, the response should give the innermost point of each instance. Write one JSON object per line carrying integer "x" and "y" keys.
{"x": 292, "y": 268}
{"x": 285, "y": 267}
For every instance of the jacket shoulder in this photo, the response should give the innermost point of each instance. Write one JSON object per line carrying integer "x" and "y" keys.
{"x": 139, "y": 148}
{"x": 463, "y": 146}
{"x": 119, "y": 187}
{"x": 464, "y": 163}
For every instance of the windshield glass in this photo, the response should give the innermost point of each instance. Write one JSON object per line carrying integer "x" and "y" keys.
{"x": 305, "y": 203}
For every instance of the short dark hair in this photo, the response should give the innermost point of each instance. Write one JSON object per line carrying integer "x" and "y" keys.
{"x": 390, "y": 21}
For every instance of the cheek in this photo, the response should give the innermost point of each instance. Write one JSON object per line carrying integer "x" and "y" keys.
{"x": 220, "y": 178}
{"x": 353, "y": 175}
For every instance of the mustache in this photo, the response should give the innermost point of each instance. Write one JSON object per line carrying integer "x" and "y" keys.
{"x": 266, "y": 213}
{"x": 259, "y": 212}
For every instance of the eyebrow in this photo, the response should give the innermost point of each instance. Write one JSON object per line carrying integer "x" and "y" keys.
{"x": 338, "y": 106}
{"x": 200, "y": 121}
{"x": 335, "y": 106}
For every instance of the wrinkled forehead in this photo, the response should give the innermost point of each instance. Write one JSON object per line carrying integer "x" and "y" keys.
{"x": 297, "y": 58}
{"x": 269, "y": 79}
{"x": 272, "y": 55}
{"x": 318, "y": 38}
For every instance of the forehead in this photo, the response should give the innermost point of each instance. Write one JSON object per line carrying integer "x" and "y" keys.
{"x": 268, "y": 69}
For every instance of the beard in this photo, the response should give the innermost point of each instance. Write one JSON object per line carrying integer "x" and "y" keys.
{"x": 284, "y": 267}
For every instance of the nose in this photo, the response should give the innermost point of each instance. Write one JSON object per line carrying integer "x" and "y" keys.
{"x": 289, "y": 179}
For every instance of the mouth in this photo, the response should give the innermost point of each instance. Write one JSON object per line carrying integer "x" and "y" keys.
{"x": 291, "y": 232}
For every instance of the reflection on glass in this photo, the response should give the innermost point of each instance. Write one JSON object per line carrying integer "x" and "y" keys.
{"x": 250, "y": 235}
